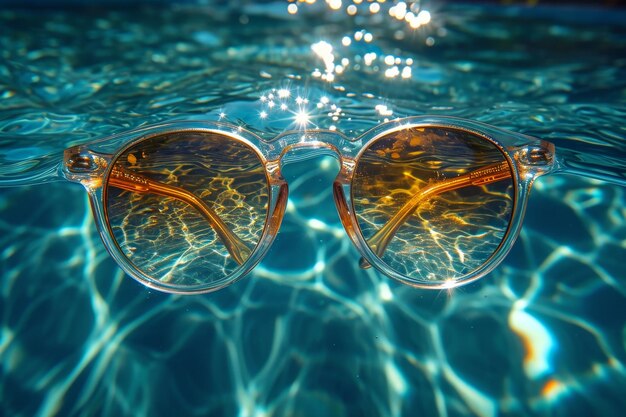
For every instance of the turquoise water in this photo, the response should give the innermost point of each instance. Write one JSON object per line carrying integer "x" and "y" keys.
{"x": 309, "y": 333}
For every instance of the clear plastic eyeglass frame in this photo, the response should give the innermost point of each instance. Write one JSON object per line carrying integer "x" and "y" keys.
{"x": 524, "y": 159}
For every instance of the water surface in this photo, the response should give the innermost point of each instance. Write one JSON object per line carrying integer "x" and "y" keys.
{"x": 309, "y": 333}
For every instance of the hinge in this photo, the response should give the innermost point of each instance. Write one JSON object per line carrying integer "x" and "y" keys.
{"x": 84, "y": 166}
{"x": 537, "y": 158}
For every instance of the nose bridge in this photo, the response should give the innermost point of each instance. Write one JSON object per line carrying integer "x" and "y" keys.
{"x": 308, "y": 149}
{"x": 299, "y": 146}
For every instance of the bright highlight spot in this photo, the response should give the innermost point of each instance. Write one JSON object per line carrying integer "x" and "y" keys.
{"x": 423, "y": 17}
{"x": 553, "y": 389}
{"x": 316, "y": 224}
{"x": 384, "y": 292}
{"x": 537, "y": 340}
{"x": 302, "y": 118}
{"x": 392, "y": 72}
{"x": 449, "y": 284}
{"x": 383, "y": 110}
{"x": 325, "y": 51}
{"x": 398, "y": 11}
{"x": 319, "y": 267}
{"x": 395, "y": 378}
{"x": 334, "y": 4}
{"x": 369, "y": 58}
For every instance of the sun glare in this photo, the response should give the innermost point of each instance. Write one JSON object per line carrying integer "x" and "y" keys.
{"x": 302, "y": 118}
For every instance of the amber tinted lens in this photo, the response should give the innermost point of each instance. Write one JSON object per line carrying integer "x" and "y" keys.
{"x": 433, "y": 203}
{"x": 187, "y": 208}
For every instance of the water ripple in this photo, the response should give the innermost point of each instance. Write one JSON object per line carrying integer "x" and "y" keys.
{"x": 309, "y": 333}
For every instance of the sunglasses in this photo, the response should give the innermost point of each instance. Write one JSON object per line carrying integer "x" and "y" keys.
{"x": 191, "y": 207}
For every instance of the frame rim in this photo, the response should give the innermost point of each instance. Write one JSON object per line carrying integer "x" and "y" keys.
{"x": 520, "y": 196}
{"x": 150, "y": 280}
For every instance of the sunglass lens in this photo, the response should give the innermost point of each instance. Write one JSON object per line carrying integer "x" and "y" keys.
{"x": 434, "y": 204}
{"x": 188, "y": 208}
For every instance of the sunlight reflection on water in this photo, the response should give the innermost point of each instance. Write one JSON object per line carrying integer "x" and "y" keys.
{"x": 308, "y": 332}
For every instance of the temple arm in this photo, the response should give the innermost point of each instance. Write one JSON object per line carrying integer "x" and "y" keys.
{"x": 605, "y": 164}
{"x": 485, "y": 175}
{"x": 130, "y": 181}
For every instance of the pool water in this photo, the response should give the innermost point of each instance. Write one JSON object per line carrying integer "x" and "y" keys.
{"x": 308, "y": 332}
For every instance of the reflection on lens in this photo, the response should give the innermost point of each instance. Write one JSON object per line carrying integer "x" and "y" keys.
{"x": 433, "y": 203}
{"x": 187, "y": 208}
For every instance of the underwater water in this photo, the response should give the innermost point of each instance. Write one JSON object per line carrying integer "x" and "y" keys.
{"x": 308, "y": 332}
